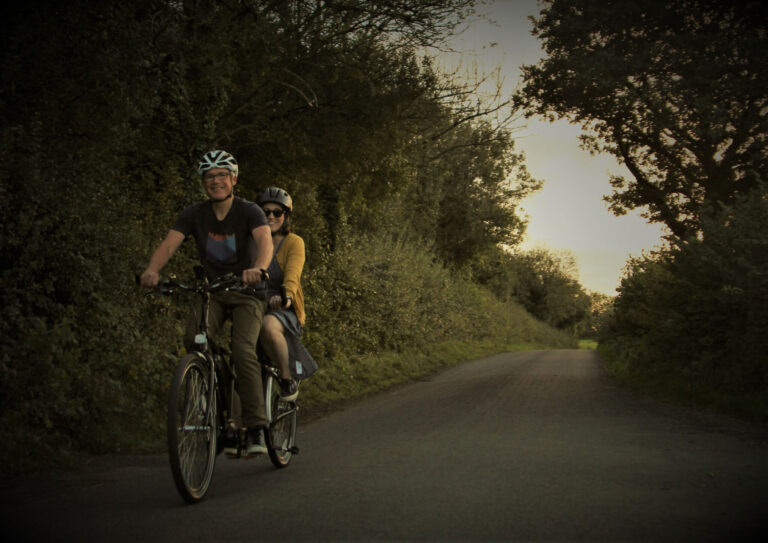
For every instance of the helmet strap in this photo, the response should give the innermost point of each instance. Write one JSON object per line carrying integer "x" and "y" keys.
{"x": 227, "y": 197}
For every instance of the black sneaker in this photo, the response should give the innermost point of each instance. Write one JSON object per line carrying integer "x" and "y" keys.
{"x": 254, "y": 442}
{"x": 289, "y": 390}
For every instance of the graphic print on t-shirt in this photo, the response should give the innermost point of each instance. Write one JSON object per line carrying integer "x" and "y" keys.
{"x": 221, "y": 248}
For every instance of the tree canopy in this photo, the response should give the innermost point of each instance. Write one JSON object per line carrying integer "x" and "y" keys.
{"x": 675, "y": 89}
{"x": 105, "y": 109}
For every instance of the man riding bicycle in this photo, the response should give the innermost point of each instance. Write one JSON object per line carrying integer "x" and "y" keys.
{"x": 232, "y": 236}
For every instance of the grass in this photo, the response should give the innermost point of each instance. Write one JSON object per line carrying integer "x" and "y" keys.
{"x": 587, "y": 344}
{"x": 356, "y": 377}
{"x": 747, "y": 406}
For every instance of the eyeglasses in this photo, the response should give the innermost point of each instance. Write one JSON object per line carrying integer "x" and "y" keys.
{"x": 276, "y": 212}
{"x": 219, "y": 176}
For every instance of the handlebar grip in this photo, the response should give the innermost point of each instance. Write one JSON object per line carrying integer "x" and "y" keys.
{"x": 283, "y": 296}
{"x": 164, "y": 286}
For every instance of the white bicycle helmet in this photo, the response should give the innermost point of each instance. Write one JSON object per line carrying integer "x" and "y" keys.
{"x": 276, "y": 196}
{"x": 217, "y": 159}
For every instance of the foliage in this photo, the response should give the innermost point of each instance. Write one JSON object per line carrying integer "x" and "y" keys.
{"x": 477, "y": 204}
{"x": 698, "y": 310}
{"x": 69, "y": 234}
{"x": 402, "y": 315}
{"x": 386, "y": 295}
{"x": 543, "y": 282}
{"x": 547, "y": 287}
{"x": 676, "y": 90}
{"x": 107, "y": 106}
{"x": 368, "y": 292}
{"x": 600, "y": 315}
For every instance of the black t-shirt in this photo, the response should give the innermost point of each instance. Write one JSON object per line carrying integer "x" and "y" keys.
{"x": 224, "y": 246}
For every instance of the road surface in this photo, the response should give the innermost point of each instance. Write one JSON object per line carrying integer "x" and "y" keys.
{"x": 536, "y": 445}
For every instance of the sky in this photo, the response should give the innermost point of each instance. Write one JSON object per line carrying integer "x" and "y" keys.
{"x": 568, "y": 213}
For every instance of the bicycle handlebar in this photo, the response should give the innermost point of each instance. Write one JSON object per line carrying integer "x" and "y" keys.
{"x": 229, "y": 282}
{"x": 225, "y": 283}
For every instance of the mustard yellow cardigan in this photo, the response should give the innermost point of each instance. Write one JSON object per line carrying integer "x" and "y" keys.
{"x": 291, "y": 258}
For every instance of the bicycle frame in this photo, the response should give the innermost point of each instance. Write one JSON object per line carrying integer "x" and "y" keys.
{"x": 223, "y": 373}
{"x": 201, "y": 411}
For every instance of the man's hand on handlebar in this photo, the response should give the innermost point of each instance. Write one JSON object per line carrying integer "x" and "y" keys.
{"x": 254, "y": 276}
{"x": 149, "y": 278}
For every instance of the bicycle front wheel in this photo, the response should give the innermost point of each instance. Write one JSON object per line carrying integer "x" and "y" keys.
{"x": 281, "y": 432}
{"x": 192, "y": 427}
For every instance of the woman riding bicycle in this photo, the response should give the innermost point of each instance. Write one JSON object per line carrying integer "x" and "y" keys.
{"x": 281, "y": 329}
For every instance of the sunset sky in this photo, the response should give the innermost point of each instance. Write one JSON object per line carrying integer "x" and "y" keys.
{"x": 568, "y": 213}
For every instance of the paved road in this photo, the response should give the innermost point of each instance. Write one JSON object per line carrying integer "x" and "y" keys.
{"x": 523, "y": 446}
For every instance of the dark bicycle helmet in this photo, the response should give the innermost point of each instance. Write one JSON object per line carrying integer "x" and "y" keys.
{"x": 217, "y": 159}
{"x": 277, "y": 196}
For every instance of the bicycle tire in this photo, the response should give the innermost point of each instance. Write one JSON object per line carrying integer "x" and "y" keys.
{"x": 281, "y": 430}
{"x": 192, "y": 428}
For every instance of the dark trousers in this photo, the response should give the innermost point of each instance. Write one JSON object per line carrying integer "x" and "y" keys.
{"x": 247, "y": 313}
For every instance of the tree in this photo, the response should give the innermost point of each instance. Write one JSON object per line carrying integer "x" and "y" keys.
{"x": 699, "y": 310}
{"x": 601, "y": 310}
{"x": 548, "y": 288}
{"x": 480, "y": 185}
{"x": 677, "y": 90}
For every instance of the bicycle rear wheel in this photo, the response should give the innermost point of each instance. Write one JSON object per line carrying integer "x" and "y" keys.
{"x": 281, "y": 432}
{"x": 192, "y": 428}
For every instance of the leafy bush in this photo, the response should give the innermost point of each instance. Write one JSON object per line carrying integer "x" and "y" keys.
{"x": 699, "y": 310}
{"x": 386, "y": 295}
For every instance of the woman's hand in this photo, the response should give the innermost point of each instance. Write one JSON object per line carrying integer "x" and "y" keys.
{"x": 274, "y": 303}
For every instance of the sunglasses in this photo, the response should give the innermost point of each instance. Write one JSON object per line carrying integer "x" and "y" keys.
{"x": 276, "y": 212}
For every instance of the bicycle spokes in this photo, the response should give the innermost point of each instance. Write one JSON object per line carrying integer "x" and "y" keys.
{"x": 191, "y": 428}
